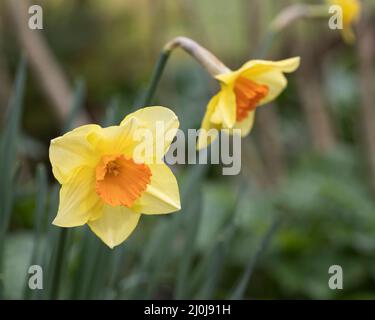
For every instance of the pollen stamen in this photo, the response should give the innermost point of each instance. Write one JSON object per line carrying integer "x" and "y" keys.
{"x": 113, "y": 168}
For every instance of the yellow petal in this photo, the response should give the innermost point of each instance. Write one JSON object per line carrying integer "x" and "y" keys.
{"x": 348, "y": 35}
{"x": 207, "y": 124}
{"x": 228, "y": 78}
{"x": 270, "y": 73}
{"x": 71, "y": 151}
{"x": 162, "y": 123}
{"x": 263, "y": 72}
{"x": 246, "y": 125}
{"x": 276, "y": 83}
{"x": 162, "y": 194}
{"x": 351, "y": 10}
{"x": 115, "y": 225}
{"x": 226, "y": 105}
{"x": 114, "y": 139}
{"x": 256, "y": 67}
{"x": 79, "y": 202}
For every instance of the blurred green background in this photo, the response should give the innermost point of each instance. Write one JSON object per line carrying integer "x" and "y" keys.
{"x": 304, "y": 199}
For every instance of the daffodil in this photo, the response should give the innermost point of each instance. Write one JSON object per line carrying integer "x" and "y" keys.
{"x": 105, "y": 184}
{"x": 256, "y": 83}
{"x": 351, "y": 10}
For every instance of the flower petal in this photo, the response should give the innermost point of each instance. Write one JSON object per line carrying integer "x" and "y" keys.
{"x": 263, "y": 72}
{"x": 226, "y": 107}
{"x": 204, "y": 138}
{"x": 162, "y": 123}
{"x": 228, "y": 78}
{"x": 348, "y": 34}
{"x": 270, "y": 73}
{"x": 256, "y": 67}
{"x": 351, "y": 11}
{"x": 79, "y": 202}
{"x": 276, "y": 83}
{"x": 246, "y": 125}
{"x": 71, "y": 151}
{"x": 115, "y": 225}
{"x": 162, "y": 194}
{"x": 114, "y": 139}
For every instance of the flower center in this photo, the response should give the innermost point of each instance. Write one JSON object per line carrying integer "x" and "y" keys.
{"x": 248, "y": 94}
{"x": 121, "y": 181}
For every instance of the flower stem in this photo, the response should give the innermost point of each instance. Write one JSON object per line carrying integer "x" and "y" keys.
{"x": 156, "y": 75}
{"x": 265, "y": 46}
{"x": 265, "y": 241}
{"x": 287, "y": 17}
{"x": 58, "y": 264}
{"x": 204, "y": 57}
{"x": 296, "y": 12}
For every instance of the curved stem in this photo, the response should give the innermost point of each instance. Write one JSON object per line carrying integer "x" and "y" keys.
{"x": 285, "y": 18}
{"x": 298, "y": 11}
{"x": 204, "y": 57}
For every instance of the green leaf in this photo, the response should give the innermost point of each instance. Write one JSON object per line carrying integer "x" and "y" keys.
{"x": 8, "y": 150}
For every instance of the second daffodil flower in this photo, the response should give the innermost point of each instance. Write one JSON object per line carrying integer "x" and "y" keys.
{"x": 105, "y": 184}
{"x": 256, "y": 83}
{"x": 351, "y": 10}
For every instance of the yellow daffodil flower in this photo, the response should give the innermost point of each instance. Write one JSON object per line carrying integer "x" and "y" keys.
{"x": 256, "y": 83}
{"x": 351, "y": 10}
{"x": 104, "y": 184}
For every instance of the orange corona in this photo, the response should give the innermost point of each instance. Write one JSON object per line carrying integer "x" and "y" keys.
{"x": 248, "y": 95}
{"x": 121, "y": 181}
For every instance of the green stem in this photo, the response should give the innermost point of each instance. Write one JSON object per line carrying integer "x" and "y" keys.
{"x": 156, "y": 75}
{"x": 319, "y": 11}
{"x": 265, "y": 46}
{"x": 2, "y": 279}
{"x": 58, "y": 264}
{"x": 287, "y": 17}
{"x": 245, "y": 279}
